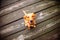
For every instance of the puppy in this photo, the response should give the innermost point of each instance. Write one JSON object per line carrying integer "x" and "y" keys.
{"x": 29, "y": 20}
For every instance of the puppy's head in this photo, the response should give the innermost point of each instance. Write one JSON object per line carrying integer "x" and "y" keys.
{"x": 30, "y": 17}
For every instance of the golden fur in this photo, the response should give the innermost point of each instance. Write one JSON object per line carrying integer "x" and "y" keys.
{"x": 29, "y": 19}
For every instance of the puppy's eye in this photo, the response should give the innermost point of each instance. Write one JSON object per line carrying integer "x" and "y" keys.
{"x": 33, "y": 16}
{"x": 27, "y": 16}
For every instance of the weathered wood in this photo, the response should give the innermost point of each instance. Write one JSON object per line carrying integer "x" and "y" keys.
{"x": 49, "y": 35}
{"x": 48, "y": 11}
{"x": 14, "y": 27}
{"x": 6, "y": 2}
{"x": 18, "y": 5}
{"x": 12, "y": 23}
{"x": 19, "y": 25}
{"x": 39, "y": 30}
{"x": 44, "y": 14}
{"x": 43, "y": 30}
{"x": 18, "y": 14}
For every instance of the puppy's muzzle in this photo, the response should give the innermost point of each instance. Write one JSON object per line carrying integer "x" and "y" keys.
{"x": 31, "y": 21}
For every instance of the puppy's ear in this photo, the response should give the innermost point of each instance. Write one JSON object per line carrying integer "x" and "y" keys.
{"x": 34, "y": 14}
{"x": 24, "y": 17}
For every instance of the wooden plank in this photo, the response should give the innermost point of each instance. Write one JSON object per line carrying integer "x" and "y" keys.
{"x": 7, "y": 2}
{"x": 47, "y": 11}
{"x": 18, "y": 14}
{"x": 16, "y": 27}
{"x": 19, "y": 25}
{"x": 43, "y": 30}
{"x": 17, "y": 5}
{"x": 9, "y": 5}
{"x": 48, "y": 36}
{"x": 39, "y": 30}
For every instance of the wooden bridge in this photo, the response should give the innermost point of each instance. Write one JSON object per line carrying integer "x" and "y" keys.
{"x": 12, "y": 23}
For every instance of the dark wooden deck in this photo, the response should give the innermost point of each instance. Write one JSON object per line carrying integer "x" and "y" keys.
{"x": 12, "y": 23}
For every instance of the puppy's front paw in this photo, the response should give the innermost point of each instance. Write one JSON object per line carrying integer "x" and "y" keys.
{"x": 26, "y": 25}
{"x": 34, "y": 26}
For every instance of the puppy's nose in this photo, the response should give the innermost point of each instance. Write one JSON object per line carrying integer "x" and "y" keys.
{"x": 31, "y": 20}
